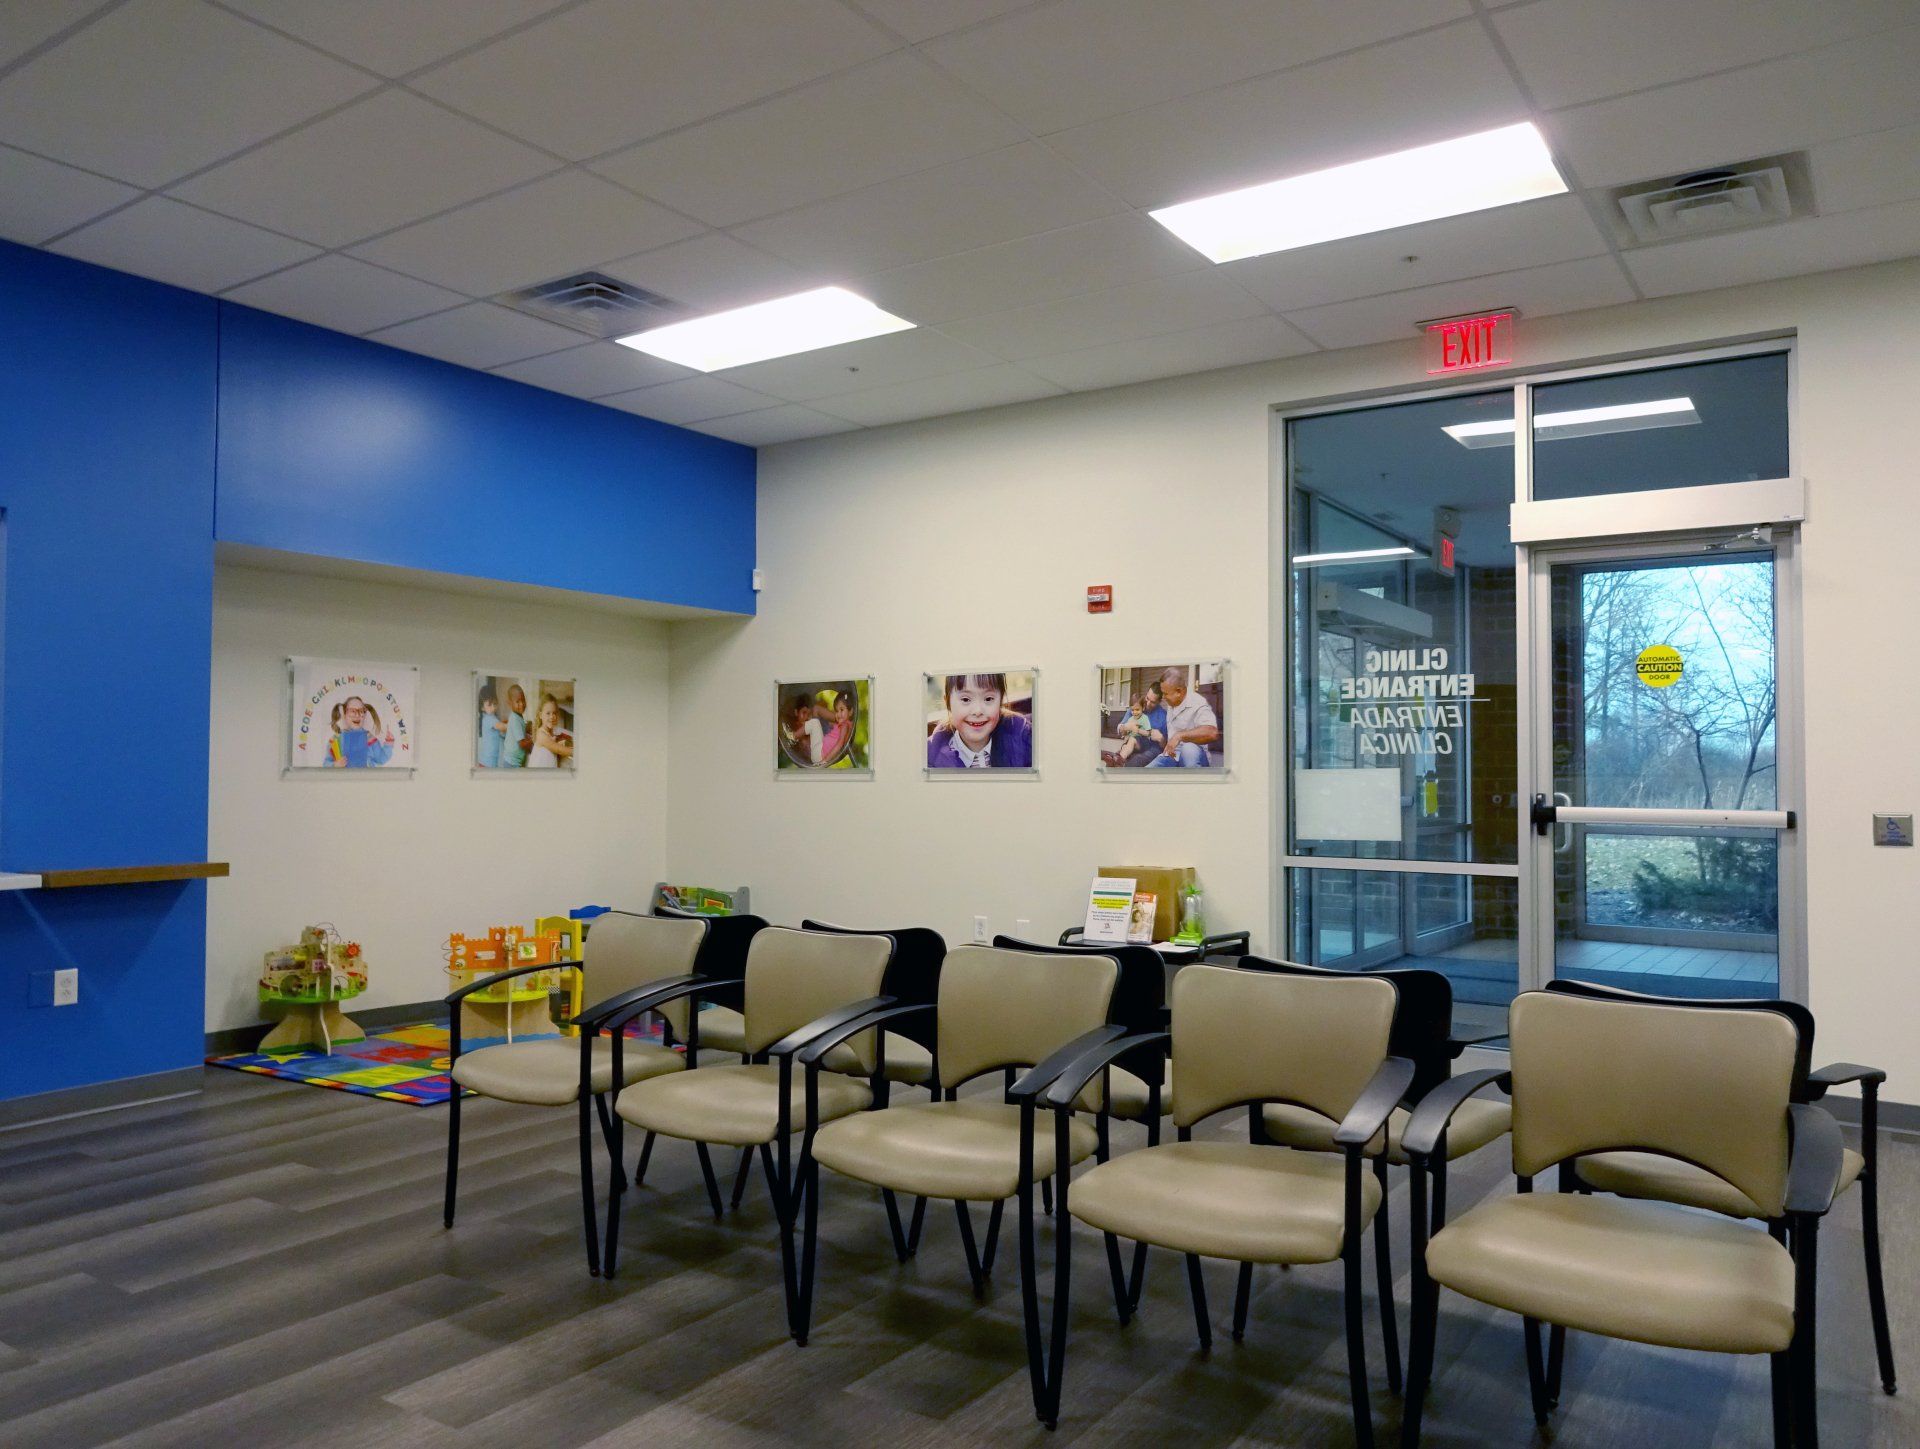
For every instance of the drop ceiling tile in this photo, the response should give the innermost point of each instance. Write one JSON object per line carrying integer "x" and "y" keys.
{"x": 958, "y": 392}
{"x": 1031, "y": 269}
{"x": 562, "y": 223}
{"x": 379, "y": 164}
{"x": 1200, "y": 349}
{"x": 976, "y": 202}
{"x": 394, "y": 38}
{"x": 478, "y": 335}
{"x": 1553, "y": 229}
{"x": 25, "y": 24}
{"x": 855, "y": 366}
{"x": 611, "y": 72}
{"x": 40, "y": 199}
{"x": 1782, "y": 105}
{"x": 594, "y": 370}
{"x": 1869, "y": 170}
{"x": 691, "y": 400}
{"x": 1536, "y": 291}
{"x": 924, "y": 19}
{"x": 891, "y": 118}
{"x": 172, "y": 242}
{"x": 158, "y": 88}
{"x": 1817, "y": 244}
{"x": 1140, "y": 309}
{"x": 344, "y": 294}
{"x": 711, "y": 272}
{"x": 1065, "y": 64}
{"x": 1409, "y": 92}
{"x": 774, "y": 425}
{"x": 1571, "y": 51}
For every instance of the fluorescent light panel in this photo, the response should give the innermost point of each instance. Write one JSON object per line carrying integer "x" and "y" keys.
{"x": 1666, "y": 412}
{"x": 823, "y": 317}
{"x": 1353, "y": 555}
{"x": 1450, "y": 178}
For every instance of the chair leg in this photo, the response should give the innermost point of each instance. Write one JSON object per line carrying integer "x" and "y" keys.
{"x": 993, "y": 1237}
{"x": 1046, "y": 1344}
{"x": 1242, "y": 1296}
{"x": 1383, "y": 1274}
{"x": 713, "y": 1185}
{"x": 1805, "y": 1390}
{"x": 586, "y": 1188}
{"x": 1424, "y": 1311}
{"x": 1116, "y": 1270}
{"x": 917, "y": 1222}
{"x": 1876, "y": 1287}
{"x": 1781, "y": 1374}
{"x": 614, "y": 1127}
{"x": 1137, "y": 1281}
{"x": 1536, "y": 1370}
{"x": 646, "y": 1156}
{"x": 1556, "y": 1362}
{"x": 740, "y": 1175}
{"x": 1046, "y": 1196}
{"x": 1197, "y": 1290}
{"x": 894, "y": 1230}
{"x": 453, "y": 1150}
{"x": 1357, "y": 1344}
{"x": 967, "y": 1244}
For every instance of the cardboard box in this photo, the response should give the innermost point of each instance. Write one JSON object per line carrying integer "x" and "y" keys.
{"x": 1164, "y": 881}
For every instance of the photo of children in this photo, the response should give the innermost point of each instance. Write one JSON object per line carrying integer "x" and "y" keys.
{"x": 522, "y": 722}
{"x": 1164, "y": 717}
{"x": 824, "y": 725}
{"x": 980, "y": 721}
{"x": 351, "y": 716}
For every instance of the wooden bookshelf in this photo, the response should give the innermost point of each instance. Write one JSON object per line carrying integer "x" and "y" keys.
{"x": 110, "y": 875}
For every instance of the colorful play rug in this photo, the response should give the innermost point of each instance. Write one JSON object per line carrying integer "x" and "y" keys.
{"x": 402, "y": 1064}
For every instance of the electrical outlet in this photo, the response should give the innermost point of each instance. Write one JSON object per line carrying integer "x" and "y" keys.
{"x": 981, "y": 935}
{"x": 66, "y": 986}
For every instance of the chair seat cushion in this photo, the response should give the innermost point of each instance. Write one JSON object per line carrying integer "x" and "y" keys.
{"x": 734, "y": 1104}
{"x": 1250, "y": 1203}
{"x": 1478, "y": 1122}
{"x": 722, "y": 1029}
{"x": 968, "y": 1150}
{"x": 1130, "y": 1095}
{"x": 1667, "y": 1179}
{"x": 545, "y": 1071}
{"x": 1649, "y": 1272}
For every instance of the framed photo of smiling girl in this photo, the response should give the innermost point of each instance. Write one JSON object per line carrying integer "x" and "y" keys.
{"x": 980, "y": 721}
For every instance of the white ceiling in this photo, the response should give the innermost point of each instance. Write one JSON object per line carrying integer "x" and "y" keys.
{"x": 981, "y": 167}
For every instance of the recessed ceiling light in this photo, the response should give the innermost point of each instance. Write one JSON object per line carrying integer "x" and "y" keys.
{"x": 1666, "y": 412}
{"x": 1449, "y": 178}
{"x": 1352, "y": 555}
{"x": 824, "y": 317}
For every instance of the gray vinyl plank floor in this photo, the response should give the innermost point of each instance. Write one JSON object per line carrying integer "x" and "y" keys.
{"x": 263, "y": 1265}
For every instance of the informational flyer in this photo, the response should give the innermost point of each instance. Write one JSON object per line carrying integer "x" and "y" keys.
{"x": 1109, "y": 909}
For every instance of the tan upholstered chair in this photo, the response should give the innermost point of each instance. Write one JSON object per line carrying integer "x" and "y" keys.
{"x": 998, "y": 1011}
{"x": 796, "y": 983}
{"x": 1717, "y": 1084}
{"x": 1244, "y": 1039}
{"x": 623, "y": 954}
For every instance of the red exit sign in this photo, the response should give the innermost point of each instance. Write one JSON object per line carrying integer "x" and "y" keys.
{"x": 1466, "y": 344}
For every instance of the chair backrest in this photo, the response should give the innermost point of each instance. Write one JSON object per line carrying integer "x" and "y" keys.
{"x": 914, "y": 977}
{"x": 1001, "y": 1008}
{"x": 724, "y": 953}
{"x": 1422, "y": 1025}
{"x": 795, "y": 976}
{"x": 1139, "y": 997}
{"x": 624, "y": 951}
{"x": 1708, "y": 1082}
{"x": 1314, "y": 1040}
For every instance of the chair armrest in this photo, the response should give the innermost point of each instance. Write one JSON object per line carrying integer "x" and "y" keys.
{"x": 1430, "y": 1116}
{"x": 1227, "y": 943}
{"x": 495, "y": 978}
{"x": 658, "y": 995}
{"x": 1030, "y": 1084}
{"x": 590, "y": 1017}
{"x": 1376, "y": 1101}
{"x": 825, "y": 1024}
{"x": 1813, "y": 1169}
{"x": 818, "y": 1045}
{"x": 1071, "y": 934}
{"x": 1870, "y": 1078}
{"x": 1458, "y": 1044}
{"x": 1071, "y": 1080}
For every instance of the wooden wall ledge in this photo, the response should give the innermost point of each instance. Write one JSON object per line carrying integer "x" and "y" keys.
{"x": 131, "y": 874}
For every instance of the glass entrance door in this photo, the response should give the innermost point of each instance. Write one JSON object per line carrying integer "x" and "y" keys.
{"x": 1658, "y": 810}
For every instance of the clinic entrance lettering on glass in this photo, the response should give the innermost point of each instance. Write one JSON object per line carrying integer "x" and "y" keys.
{"x": 1407, "y": 701}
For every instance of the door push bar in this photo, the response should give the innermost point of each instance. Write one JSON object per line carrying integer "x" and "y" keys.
{"x": 1545, "y": 814}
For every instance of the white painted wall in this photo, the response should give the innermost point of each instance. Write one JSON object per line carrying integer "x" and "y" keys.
{"x": 968, "y": 541}
{"x": 398, "y": 863}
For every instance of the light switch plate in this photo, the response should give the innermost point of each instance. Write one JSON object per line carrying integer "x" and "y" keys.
{"x": 1893, "y": 830}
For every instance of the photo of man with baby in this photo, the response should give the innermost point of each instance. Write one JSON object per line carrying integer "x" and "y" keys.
{"x": 522, "y": 723}
{"x": 980, "y": 721}
{"x": 824, "y": 725}
{"x": 1164, "y": 716}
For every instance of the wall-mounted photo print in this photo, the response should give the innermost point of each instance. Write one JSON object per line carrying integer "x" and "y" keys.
{"x": 352, "y": 716}
{"x": 980, "y": 721}
{"x": 824, "y": 725}
{"x": 1164, "y": 716}
{"x": 522, "y": 722}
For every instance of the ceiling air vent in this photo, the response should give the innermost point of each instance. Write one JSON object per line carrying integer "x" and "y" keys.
{"x": 1708, "y": 203}
{"x": 596, "y": 304}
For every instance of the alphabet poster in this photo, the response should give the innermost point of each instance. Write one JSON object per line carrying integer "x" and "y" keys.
{"x": 349, "y": 715}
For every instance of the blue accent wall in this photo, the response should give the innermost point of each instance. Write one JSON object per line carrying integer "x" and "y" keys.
{"x": 335, "y": 446}
{"x": 107, "y": 406}
{"x": 137, "y": 422}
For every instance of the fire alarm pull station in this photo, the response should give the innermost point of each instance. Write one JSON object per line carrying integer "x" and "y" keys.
{"x": 1099, "y": 598}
